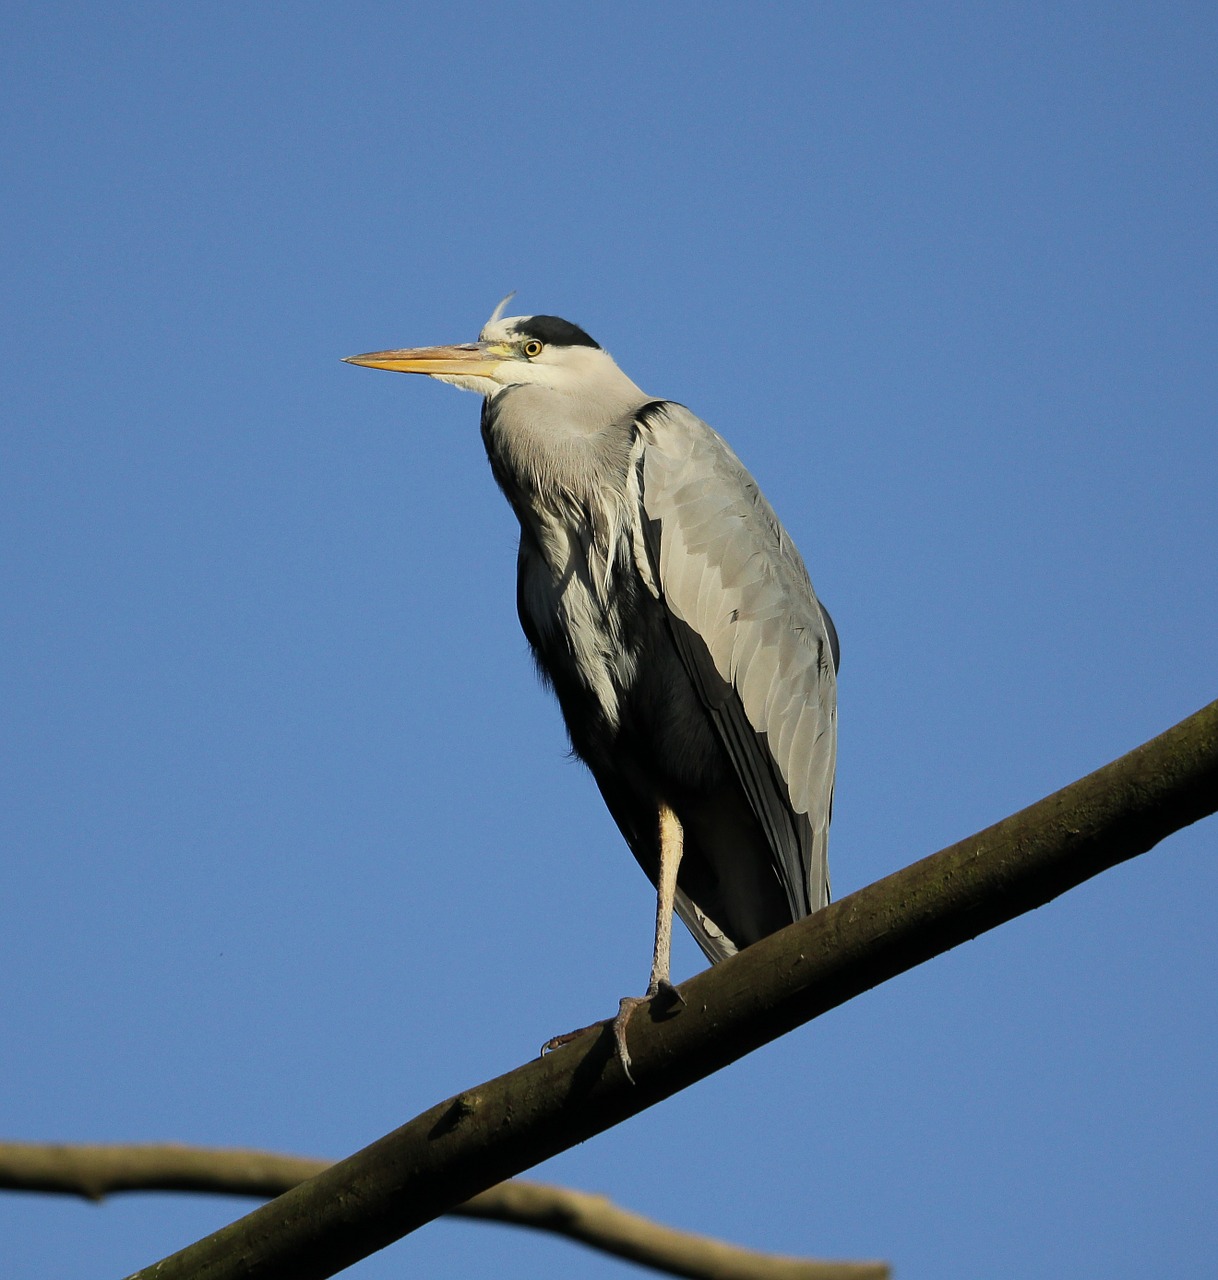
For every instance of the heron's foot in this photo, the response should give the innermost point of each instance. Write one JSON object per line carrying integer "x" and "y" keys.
{"x": 669, "y": 998}
{"x": 628, "y": 1004}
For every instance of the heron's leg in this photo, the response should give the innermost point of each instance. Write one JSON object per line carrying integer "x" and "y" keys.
{"x": 672, "y": 843}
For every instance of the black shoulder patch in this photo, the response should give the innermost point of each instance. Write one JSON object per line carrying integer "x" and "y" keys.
{"x": 554, "y": 332}
{"x": 652, "y": 409}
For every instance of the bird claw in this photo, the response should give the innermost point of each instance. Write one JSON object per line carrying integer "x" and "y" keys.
{"x": 626, "y": 1006}
{"x": 557, "y": 1042}
{"x": 625, "y": 1009}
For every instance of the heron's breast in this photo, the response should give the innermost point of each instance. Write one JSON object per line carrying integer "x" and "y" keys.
{"x": 576, "y": 612}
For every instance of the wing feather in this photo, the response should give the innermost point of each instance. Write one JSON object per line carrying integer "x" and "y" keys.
{"x": 751, "y": 634}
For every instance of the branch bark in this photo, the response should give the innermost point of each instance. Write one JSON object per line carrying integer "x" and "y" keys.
{"x": 97, "y": 1171}
{"x": 485, "y": 1135}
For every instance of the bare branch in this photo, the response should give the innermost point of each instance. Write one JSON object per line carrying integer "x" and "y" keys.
{"x": 594, "y": 1220}
{"x": 485, "y": 1135}
{"x": 97, "y": 1171}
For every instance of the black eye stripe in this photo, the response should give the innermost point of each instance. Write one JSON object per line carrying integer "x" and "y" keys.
{"x": 554, "y": 332}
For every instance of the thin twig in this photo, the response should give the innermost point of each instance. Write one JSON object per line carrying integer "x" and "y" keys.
{"x": 95, "y": 1172}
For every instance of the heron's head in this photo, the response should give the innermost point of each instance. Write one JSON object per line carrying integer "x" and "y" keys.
{"x": 514, "y": 351}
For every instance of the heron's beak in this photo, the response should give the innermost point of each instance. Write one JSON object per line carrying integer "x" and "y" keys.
{"x": 467, "y": 360}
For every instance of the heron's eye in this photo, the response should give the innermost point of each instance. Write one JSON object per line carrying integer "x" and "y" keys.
{"x": 532, "y": 348}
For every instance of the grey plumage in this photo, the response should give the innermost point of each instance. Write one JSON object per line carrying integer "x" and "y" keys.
{"x": 674, "y": 620}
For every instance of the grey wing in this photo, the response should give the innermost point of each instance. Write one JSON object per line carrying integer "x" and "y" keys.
{"x": 751, "y": 632}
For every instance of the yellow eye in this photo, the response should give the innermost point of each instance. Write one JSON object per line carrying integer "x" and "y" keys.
{"x": 532, "y": 348}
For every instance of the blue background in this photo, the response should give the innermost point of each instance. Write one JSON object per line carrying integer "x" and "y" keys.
{"x": 291, "y": 846}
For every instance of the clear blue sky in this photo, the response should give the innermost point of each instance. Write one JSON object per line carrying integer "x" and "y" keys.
{"x": 291, "y": 846}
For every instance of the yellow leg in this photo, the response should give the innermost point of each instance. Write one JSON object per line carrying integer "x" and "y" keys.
{"x": 671, "y": 847}
{"x": 672, "y": 844}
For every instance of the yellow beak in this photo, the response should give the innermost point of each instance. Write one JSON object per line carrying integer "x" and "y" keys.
{"x": 467, "y": 360}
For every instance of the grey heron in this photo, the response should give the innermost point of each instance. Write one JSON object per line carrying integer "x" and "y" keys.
{"x": 675, "y": 621}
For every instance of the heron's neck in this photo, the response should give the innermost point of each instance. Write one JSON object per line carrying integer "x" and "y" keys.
{"x": 547, "y": 446}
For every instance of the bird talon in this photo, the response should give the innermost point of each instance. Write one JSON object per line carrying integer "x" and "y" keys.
{"x": 557, "y": 1042}
{"x": 626, "y": 1007}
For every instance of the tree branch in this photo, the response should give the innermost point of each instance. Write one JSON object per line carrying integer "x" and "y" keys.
{"x": 97, "y": 1171}
{"x": 485, "y": 1135}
